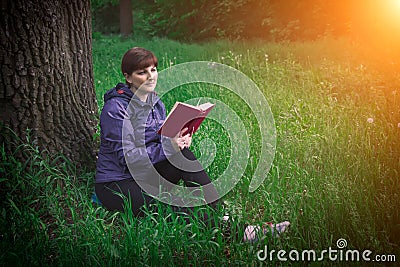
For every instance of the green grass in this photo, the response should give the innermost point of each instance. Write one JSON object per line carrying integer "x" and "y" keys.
{"x": 335, "y": 175}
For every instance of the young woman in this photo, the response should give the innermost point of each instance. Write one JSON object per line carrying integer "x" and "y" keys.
{"x": 133, "y": 155}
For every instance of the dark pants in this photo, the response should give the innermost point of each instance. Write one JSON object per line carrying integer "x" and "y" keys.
{"x": 108, "y": 193}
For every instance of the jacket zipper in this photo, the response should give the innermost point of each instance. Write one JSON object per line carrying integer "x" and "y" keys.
{"x": 155, "y": 118}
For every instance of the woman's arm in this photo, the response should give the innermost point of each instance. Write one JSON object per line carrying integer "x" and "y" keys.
{"x": 169, "y": 146}
{"x": 161, "y": 147}
{"x": 118, "y": 136}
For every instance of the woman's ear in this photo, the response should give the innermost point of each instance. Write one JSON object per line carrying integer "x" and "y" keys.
{"x": 127, "y": 78}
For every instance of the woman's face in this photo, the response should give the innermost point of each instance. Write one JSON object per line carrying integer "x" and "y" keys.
{"x": 143, "y": 80}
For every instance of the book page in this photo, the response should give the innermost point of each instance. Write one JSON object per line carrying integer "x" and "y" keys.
{"x": 184, "y": 115}
{"x": 205, "y": 106}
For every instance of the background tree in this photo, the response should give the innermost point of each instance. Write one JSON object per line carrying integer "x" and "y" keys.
{"x": 125, "y": 17}
{"x": 46, "y": 83}
{"x": 112, "y": 16}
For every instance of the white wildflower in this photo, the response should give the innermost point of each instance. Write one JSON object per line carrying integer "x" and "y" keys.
{"x": 370, "y": 120}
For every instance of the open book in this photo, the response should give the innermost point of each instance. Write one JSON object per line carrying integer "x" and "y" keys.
{"x": 184, "y": 116}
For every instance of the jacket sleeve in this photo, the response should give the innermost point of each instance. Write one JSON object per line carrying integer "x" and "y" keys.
{"x": 160, "y": 151}
{"x": 162, "y": 148}
{"x": 119, "y": 137}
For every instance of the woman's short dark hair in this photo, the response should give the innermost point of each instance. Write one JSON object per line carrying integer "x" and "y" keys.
{"x": 137, "y": 58}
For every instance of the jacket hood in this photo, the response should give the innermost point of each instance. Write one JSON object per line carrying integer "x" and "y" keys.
{"x": 122, "y": 90}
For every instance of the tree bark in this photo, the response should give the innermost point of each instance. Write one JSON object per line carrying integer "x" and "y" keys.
{"x": 46, "y": 82}
{"x": 125, "y": 17}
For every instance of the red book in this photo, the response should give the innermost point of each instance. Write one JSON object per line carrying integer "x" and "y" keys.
{"x": 184, "y": 116}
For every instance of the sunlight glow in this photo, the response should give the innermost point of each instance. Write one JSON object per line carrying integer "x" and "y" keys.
{"x": 379, "y": 22}
{"x": 395, "y": 5}
{"x": 393, "y": 10}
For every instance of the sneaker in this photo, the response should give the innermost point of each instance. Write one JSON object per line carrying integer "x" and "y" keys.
{"x": 277, "y": 229}
{"x": 251, "y": 232}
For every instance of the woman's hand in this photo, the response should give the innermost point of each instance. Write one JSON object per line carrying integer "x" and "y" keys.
{"x": 187, "y": 140}
{"x": 181, "y": 141}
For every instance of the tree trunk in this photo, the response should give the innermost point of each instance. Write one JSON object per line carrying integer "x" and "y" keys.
{"x": 125, "y": 17}
{"x": 46, "y": 84}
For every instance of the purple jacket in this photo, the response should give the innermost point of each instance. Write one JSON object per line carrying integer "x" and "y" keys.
{"x": 129, "y": 136}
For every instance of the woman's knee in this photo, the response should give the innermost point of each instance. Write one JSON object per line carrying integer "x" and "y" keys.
{"x": 187, "y": 153}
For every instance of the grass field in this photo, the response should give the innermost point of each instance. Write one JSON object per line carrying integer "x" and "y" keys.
{"x": 336, "y": 171}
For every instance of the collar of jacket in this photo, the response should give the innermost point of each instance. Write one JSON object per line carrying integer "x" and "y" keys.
{"x": 151, "y": 100}
{"x": 122, "y": 90}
